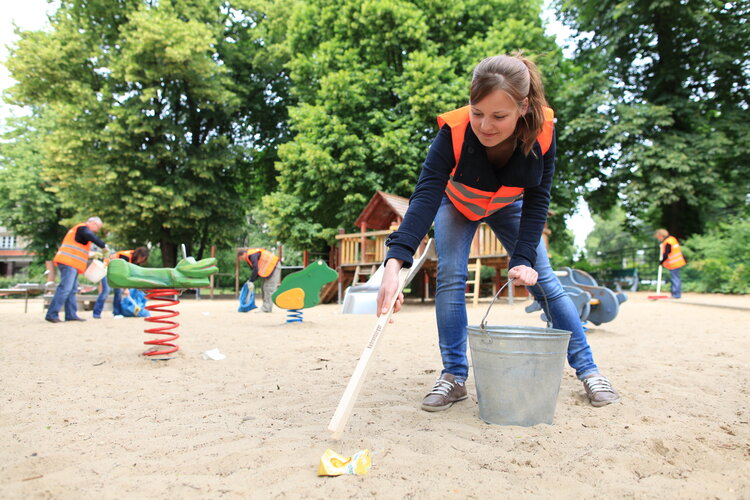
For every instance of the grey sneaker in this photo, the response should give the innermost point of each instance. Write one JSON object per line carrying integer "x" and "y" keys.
{"x": 599, "y": 390}
{"x": 444, "y": 393}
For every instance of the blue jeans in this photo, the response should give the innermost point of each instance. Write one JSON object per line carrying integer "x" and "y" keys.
{"x": 65, "y": 294}
{"x": 117, "y": 302}
{"x": 675, "y": 282}
{"x": 453, "y": 236}
{"x": 99, "y": 304}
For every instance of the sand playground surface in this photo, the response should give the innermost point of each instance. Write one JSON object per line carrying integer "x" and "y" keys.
{"x": 85, "y": 416}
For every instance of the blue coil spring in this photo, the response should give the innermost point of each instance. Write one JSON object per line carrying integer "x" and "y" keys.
{"x": 294, "y": 316}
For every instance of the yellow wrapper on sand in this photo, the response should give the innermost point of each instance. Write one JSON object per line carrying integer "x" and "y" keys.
{"x": 333, "y": 464}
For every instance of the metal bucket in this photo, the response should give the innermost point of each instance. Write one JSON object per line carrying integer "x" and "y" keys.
{"x": 517, "y": 372}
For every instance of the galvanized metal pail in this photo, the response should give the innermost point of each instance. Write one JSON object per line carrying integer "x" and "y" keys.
{"x": 517, "y": 371}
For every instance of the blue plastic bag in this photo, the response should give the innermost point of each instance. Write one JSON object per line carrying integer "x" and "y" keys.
{"x": 247, "y": 298}
{"x": 134, "y": 306}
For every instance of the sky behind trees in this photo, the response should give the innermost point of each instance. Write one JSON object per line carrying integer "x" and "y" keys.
{"x": 28, "y": 15}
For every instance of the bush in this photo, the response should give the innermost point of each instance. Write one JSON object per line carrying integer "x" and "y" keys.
{"x": 717, "y": 260}
{"x": 33, "y": 273}
{"x": 8, "y": 282}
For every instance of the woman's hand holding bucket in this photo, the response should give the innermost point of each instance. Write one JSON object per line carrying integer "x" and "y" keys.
{"x": 523, "y": 275}
{"x": 389, "y": 287}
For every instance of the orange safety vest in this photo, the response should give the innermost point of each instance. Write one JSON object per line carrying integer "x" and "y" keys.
{"x": 125, "y": 253}
{"x": 474, "y": 203}
{"x": 71, "y": 253}
{"x": 675, "y": 259}
{"x": 117, "y": 255}
{"x": 266, "y": 263}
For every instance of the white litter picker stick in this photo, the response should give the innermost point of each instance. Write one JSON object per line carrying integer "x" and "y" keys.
{"x": 346, "y": 405}
{"x": 658, "y": 281}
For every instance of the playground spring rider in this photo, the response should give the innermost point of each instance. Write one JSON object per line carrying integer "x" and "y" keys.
{"x": 164, "y": 285}
{"x": 593, "y": 303}
{"x": 301, "y": 290}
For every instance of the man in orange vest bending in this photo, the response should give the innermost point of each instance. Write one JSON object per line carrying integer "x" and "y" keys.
{"x": 71, "y": 260}
{"x": 264, "y": 264}
{"x": 672, "y": 259}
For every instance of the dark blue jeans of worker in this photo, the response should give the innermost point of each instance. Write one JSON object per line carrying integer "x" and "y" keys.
{"x": 675, "y": 282}
{"x": 102, "y": 298}
{"x": 117, "y": 302}
{"x": 65, "y": 294}
{"x": 453, "y": 236}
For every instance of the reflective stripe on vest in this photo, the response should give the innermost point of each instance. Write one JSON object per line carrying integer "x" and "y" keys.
{"x": 474, "y": 203}
{"x": 266, "y": 263}
{"x": 71, "y": 253}
{"x": 675, "y": 259}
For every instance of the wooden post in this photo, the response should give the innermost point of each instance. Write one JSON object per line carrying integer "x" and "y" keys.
{"x": 477, "y": 281}
{"x": 339, "y": 300}
{"x": 333, "y": 257}
{"x": 362, "y": 243}
{"x": 305, "y": 258}
{"x": 237, "y": 274}
{"x": 51, "y": 269}
{"x": 213, "y": 254}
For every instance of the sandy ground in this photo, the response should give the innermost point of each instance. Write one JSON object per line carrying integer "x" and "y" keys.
{"x": 85, "y": 416}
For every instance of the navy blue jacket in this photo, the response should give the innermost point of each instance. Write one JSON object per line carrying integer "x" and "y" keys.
{"x": 84, "y": 235}
{"x": 533, "y": 173}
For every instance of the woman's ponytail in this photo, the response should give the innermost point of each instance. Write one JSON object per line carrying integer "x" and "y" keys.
{"x": 530, "y": 125}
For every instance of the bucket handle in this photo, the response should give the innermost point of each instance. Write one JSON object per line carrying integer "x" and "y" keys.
{"x": 483, "y": 324}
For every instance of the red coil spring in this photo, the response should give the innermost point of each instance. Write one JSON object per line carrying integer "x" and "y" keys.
{"x": 164, "y": 295}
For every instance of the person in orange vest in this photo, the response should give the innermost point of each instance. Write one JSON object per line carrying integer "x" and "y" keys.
{"x": 492, "y": 161}
{"x": 71, "y": 260}
{"x": 139, "y": 256}
{"x": 672, "y": 259}
{"x": 266, "y": 265}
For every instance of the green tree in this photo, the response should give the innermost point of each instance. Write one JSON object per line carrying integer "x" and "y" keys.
{"x": 163, "y": 117}
{"x": 609, "y": 242}
{"x": 561, "y": 247}
{"x": 369, "y": 78}
{"x": 26, "y": 204}
{"x": 657, "y": 108}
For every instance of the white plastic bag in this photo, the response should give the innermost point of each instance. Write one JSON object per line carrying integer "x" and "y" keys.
{"x": 214, "y": 355}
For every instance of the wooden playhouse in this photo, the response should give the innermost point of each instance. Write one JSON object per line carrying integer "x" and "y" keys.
{"x": 356, "y": 256}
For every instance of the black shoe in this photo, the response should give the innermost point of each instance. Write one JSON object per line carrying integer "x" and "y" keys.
{"x": 75, "y": 319}
{"x": 52, "y": 320}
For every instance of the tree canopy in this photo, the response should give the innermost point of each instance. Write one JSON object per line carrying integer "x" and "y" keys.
{"x": 190, "y": 122}
{"x": 657, "y": 109}
{"x": 26, "y": 203}
{"x": 156, "y": 115}
{"x": 369, "y": 78}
